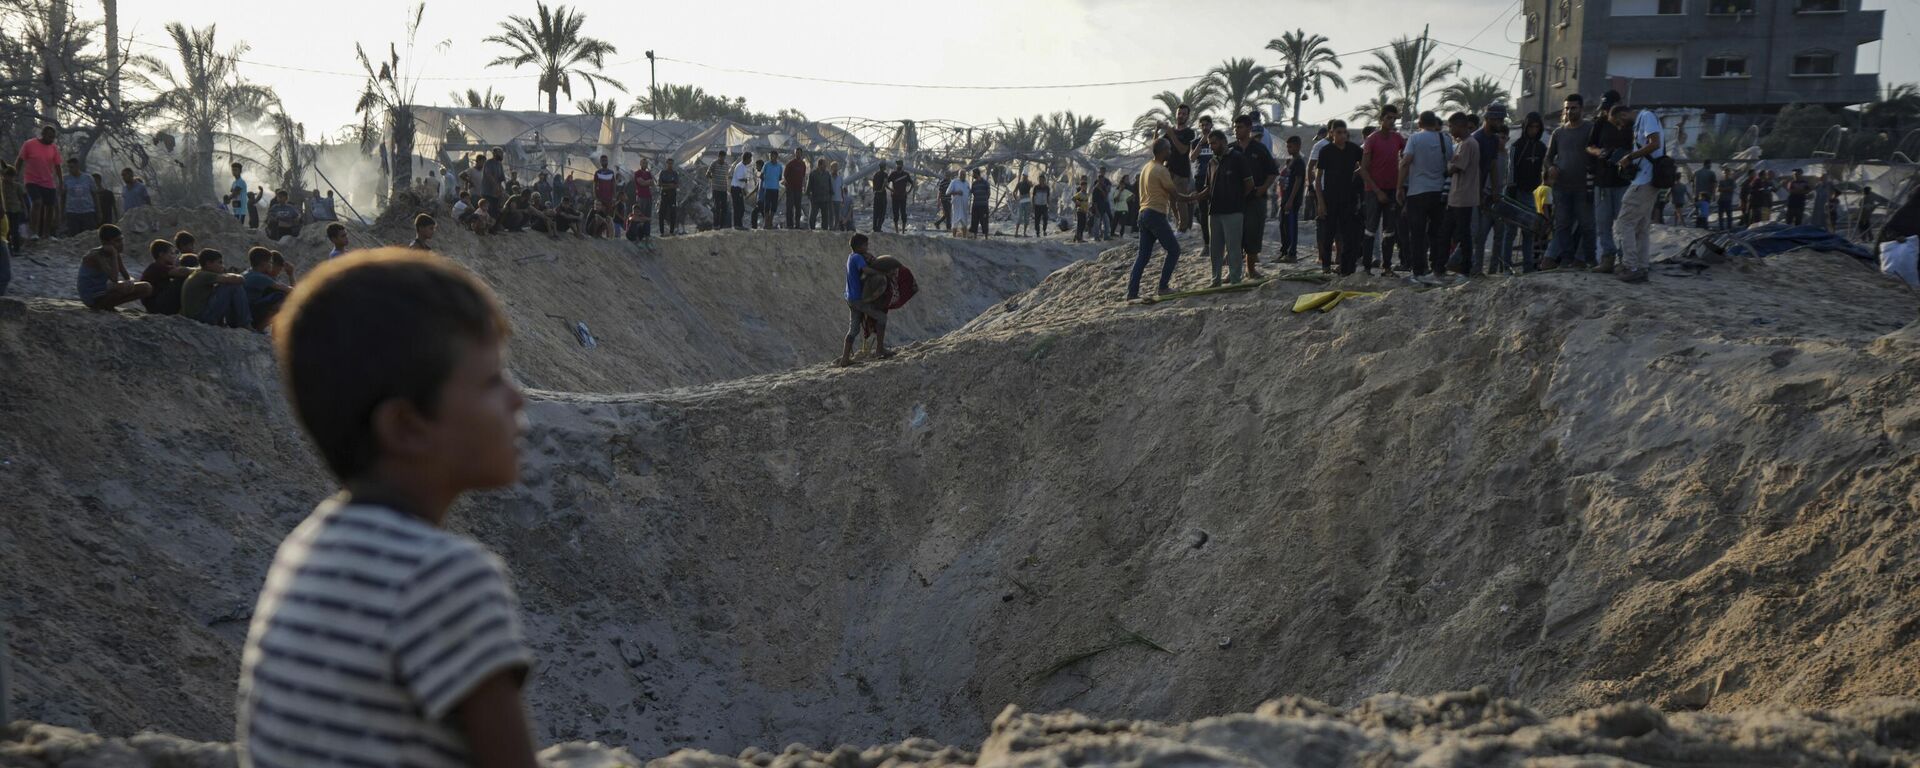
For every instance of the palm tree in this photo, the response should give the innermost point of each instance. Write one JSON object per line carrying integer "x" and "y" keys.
{"x": 1408, "y": 70}
{"x": 473, "y": 99}
{"x": 1021, "y": 136}
{"x": 1900, "y": 102}
{"x": 1243, "y": 84}
{"x": 1065, "y": 131}
{"x": 1473, "y": 95}
{"x": 551, "y": 41}
{"x": 1308, "y": 64}
{"x": 1369, "y": 113}
{"x": 608, "y": 108}
{"x": 1201, "y": 97}
{"x": 388, "y": 91}
{"x": 206, "y": 96}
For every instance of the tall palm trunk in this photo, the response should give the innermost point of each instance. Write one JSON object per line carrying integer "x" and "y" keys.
{"x": 56, "y": 43}
{"x": 402, "y": 161}
{"x": 203, "y": 160}
{"x": 113, "y": 52}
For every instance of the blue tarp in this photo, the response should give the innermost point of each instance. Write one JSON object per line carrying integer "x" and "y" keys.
{"x": 1771, "y": 239}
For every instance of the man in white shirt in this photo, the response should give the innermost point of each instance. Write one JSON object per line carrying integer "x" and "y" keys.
{"x": 1633, "y": 229}
{"x": 743, "y": 181}
{"x": 958, "y": 192}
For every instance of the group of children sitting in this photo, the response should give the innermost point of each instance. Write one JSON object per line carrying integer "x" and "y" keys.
{"x": 184, "y": 280}
{"x": 526, "y": 210}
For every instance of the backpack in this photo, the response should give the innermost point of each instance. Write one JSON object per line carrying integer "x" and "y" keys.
{"x": 1665, "y": 172}
{"x": 904, "y": 288}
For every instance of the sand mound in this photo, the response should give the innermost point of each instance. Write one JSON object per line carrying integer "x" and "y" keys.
{"x": 1469, "y": 728}
{"x": 1569, "y": 491}
{"x": 687, "y": 310}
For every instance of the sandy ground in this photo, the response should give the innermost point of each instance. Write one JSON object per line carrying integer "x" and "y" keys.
{"x": 1568, "y": 491}
{"x": 687, "y": 310}
{"x": 1453, "y": 729}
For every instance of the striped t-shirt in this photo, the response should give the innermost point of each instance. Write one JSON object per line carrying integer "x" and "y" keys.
{"x": 371, "y": 629}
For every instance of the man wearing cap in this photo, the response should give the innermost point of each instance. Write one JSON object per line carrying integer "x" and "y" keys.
{"x": 1492, "y": 138}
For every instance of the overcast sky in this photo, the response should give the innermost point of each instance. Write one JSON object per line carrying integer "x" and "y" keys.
{"x": 980, "y": 42}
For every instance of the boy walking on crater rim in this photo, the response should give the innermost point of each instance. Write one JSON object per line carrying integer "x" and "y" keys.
{"x": 867, "y": 279}
{"x": 380, "y": 638}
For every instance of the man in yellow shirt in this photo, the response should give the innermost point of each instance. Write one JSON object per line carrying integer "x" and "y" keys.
{"x": 1157, "y": 198}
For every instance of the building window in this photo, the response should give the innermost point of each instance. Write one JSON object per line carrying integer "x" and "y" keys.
{"x": 1533, "y": 26}
{"x": 1649, "y": 7}
{"x": 1725, "y": 66}
{"x": 1730, "y": 7}
{"x": 1526, "y": 81}
{"x": 1667, "y": 66}
{"x": 1566, "y": 12}
{"x": 1815, "y": 63}
{"x": 1560, "y": 71}
{"x": 1818, "y": 6}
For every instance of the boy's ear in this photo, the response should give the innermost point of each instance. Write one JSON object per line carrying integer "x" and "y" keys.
{"x": 399, "y": 428}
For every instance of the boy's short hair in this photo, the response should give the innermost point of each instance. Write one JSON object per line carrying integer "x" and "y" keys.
{"x": 366, "y": 328}
{"x": 1334, "y": 125}
{"x": 109, "y": 233}
{"x": 158, "y": 247}
{"x": 859, "y": 241}
{"x": 211, "y": 255}
{"x": 183, "y": 239}
{"x": 336, "y": 228}
{"x": 257, "y": 256}
{"x": 422, "y": 220}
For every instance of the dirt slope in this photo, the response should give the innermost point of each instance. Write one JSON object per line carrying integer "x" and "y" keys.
{"x": 689, "y": 310}
{"x": 1566, "y": 490}
{"x": 1454, "y": 729}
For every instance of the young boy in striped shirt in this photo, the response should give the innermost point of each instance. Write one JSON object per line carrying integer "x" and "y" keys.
{"x": 380, "y": 638}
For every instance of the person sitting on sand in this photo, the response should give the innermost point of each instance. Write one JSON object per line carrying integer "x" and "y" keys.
{"x": 183, "y": 242}
{"x": 393, "y": 364}
{"x": 104, "y": 283}
{"x": 423, "y": 229}
{"x": 167, "y": 276}
{"x": 264, "y": 294}
{"x": 639, "y": 224}
{"x": 483, "y": 221}
{"x": 320, "y": 208}
{"x": 867, "y": 286}
{"x": 214, "y": 296}
{"x": 283, "y": 217}
{"x": 566, "y": 217}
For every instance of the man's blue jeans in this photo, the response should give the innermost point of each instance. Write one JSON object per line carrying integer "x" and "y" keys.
{"x": 228, "y": 307}
{"x": 1572, "y": 228}
{"x": 1290, "y": 233}
{"x": 1154, "y": 227}
{"x": 1606, "y": 208}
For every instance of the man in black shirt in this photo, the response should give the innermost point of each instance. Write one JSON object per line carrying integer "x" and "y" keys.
{"x": 1292, "y": 193}
{"x": 669, "y": 199}
{"x": 879, "y": 182}
{"x": 1339, "y": 198}
{"x": 902, "y": 184}
{"x": 1178, "y": 164}
{"x": 1609, "y": 144}
{"x": 1229, "y": 182}
{"x": 1262, "y": 168}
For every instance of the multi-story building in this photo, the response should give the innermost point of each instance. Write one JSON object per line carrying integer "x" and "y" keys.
{"x": 1720, "y": 56}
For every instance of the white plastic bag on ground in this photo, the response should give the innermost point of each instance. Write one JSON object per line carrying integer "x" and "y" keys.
{"x": 1901, "y": 258}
